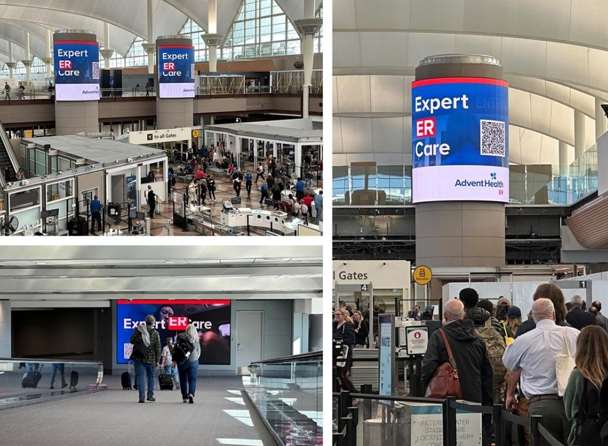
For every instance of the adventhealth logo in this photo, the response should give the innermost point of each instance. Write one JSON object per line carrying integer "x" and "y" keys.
{"x": 491, "y": 182}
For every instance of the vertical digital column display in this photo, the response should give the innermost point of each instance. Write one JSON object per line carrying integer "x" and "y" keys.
{"x": 460, "y": 140}
{"x": 76, "y": 70}
{"x": 175, "y": 71}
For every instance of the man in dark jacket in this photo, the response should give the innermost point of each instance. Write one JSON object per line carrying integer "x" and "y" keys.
{"x": 469, "y": 351}
{"x": 600, "y": 319}
{"x": 146, "y": 356}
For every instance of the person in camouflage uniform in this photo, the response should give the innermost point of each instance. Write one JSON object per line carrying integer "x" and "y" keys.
{"x": 146, "y": 356}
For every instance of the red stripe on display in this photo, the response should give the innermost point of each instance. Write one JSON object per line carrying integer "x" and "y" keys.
{"x": 460, "y": 80}
{"x": 176, "y": 46}
{"x": 77, "y": 42}
{"x": 175, "y": 301}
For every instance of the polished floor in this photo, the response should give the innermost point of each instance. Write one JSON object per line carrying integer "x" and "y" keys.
{"x": 113, "y": 417}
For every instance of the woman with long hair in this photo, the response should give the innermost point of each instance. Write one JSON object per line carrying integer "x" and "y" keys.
{"x": 188, "y": 351}
{"x": 583, "y": 394}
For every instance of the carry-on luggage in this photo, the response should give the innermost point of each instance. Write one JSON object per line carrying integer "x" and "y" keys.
{"x": 125, "y": 381}
{"x": 165, "y": 381}
{"x": 73, "y": 380}
{"x": 31, "y": 380}
{"x": 269, "y": 202}
{"x": 235, "y": 200}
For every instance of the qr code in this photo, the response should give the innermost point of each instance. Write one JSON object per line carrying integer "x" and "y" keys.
{"x": 492, "y": 137}
{"x": 95, "y": 71}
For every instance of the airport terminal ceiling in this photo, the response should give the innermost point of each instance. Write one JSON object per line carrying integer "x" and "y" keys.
{"x": 552, "y": 55}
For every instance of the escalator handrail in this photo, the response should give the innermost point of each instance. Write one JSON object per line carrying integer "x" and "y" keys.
{"x": 318, "y": 355}
{"x": 9, "y": 149}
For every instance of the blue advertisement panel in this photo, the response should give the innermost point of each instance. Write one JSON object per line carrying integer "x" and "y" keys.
{"x": 176, "y": 71}
{"x": 460, "y": 147}
{"x": 76, "y": 70}
{"x": 211, "y": 317}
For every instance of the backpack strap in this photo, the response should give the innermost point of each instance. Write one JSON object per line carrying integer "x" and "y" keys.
{"x": 449, "y": 349}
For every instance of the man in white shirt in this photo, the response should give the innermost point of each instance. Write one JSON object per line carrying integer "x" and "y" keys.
{"x": 534, "y": 354}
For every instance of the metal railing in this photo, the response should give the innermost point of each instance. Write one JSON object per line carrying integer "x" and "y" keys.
{"x": 347, "y": 415}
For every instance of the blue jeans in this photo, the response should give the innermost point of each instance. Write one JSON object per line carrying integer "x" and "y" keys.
{"x": 142, "y": 368}
{"x": 187, "y": 377}
{"x": 59, "y": 367}
{"x": 170, "y": 370}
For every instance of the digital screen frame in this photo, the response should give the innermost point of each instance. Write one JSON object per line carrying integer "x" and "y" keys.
{"x": 175, "y": 68}
{"x": 212, "y": 318}
{"x": 77, "y": 74}
{"x": 460, "y": 140}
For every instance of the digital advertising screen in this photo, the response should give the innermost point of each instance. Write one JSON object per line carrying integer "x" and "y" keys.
{"x": 460, "y": 146}
{"x": 211, "y": 317}
{"x": 76, "y": 70}
{"x": 176, "y": 71}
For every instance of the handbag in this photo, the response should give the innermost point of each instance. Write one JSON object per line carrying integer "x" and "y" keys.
{"x": 445, "y": 381}
{"x": 564, "y": 364}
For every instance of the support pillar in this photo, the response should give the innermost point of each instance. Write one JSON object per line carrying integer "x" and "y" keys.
{"x": 48, "y": 60}
{"x": 106, "y": 53}
{"x": 11, "y": 70}
{"x": 5, "y": 329}
{"x": 308, "y": 28}
{"x": 76, "y": 116}
{"x": 150, "y": 46}
{"x": 579, "y": 134}
{"x": 28, "y": 70}
{"x": 212, "y": 41}
{"x": 150, "y": 49}
{"x": 601, "y": 123}
{"x": 563, "y": 159}
{"x": 173, "y": 110}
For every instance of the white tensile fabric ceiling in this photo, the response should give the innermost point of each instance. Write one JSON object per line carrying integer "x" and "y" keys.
{"x": 127, "y": 19}
{"x": 554, "y": 56}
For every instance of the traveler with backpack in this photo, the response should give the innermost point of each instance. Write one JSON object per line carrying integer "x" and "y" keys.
{"x": 457, "y": 344}
{"x": 186, "y": 353}
{"x": 586, "y": 396}
{"x": 166, "y": 362}
{"x": 145, "y": 356}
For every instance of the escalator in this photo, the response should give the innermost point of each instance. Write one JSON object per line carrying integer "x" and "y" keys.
{"x": 9, "y": 166}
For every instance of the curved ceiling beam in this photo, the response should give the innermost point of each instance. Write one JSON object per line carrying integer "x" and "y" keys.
{"x": 567, "y": 21}
{"x": 398, "y": 51}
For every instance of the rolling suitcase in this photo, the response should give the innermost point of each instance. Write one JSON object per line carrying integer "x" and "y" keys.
{"x": 165, "y": 381}
{"x": 235, "y": 200}
{"x": 73, "y": 380}
{"x": 31, "y": 380}
{"x": 125, "y": 381}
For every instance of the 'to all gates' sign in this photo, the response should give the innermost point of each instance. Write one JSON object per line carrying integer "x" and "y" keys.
{"x": 76, "y": 70}
{"x": 460, "y": 144}
{"x": 176, "y": 71}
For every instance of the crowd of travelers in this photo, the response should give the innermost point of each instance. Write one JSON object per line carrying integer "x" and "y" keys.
{"x": 553, "y": 364}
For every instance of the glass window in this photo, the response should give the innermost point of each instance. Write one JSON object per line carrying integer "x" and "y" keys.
{"x": 260, "y": 29}
{"x": 59, "y": 191}
{"x": 136, "y": 56}
{"x": 340, "y": 187}
{"x": 391, "y": 185}
{"x": 24, "y": 199}
{"x": 364, "y": 183}
{"x": 192, "y": 30}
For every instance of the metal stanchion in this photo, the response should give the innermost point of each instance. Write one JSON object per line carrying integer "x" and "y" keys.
{"x": 499, "y": 425}
{"x": 449, "y": 422}
{"x": 535, "y": 436}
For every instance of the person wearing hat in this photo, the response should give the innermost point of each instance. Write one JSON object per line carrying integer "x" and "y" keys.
{"x": 513, "y": 319}
{"x": 146, "y": 356}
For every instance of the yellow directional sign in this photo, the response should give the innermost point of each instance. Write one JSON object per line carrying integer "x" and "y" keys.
{"x": 196, "y": 133}
{"x": 422, "y": 275}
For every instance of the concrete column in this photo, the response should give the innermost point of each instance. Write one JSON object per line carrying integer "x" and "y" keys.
{"x": 11, "y": 70}
{"x": 106, "y": 53}
{"x": 307, "y": 28}
{"x": 173, "y": 112}
{"x": 28, "y": 70}
{"x": 563, "y": 159}
{"x": 601, "y": 123}
{"x": 212, "y": 41}
{"x": 150, "y": 46}
{"x": 298, "y": 160}
{"x": 274, "y": 150}
{"x": 579, "y": 134}
{"x": 238, "y": 148}
{"x": 48, "y": 60}
{"x": 107, "y": 50}
{"x": 212, "y": 16}
{"x": 5, "y": 329}
{"x": 72, "y": 117}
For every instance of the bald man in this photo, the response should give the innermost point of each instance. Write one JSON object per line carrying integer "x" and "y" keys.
{"x": 533, "y": 355}
{"x": 469, "y": 351}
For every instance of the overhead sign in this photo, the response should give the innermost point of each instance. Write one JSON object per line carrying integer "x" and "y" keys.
{"x": 175, "y": 71}
{"x": 460, "y": 147}
{"x": 159, "y": 136}
{"x": 76, "y": 70}
{"x": 422, "y": 274}
{"x": 211, "y": 318}
{"x": 380, "y": 274}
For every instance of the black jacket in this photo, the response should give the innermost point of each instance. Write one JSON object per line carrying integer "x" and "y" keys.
{"x": 361, "y": 335}
{"x": 474, "y": 368}
{"x": 601, "y": 320}
{"x": 346, "y": 332}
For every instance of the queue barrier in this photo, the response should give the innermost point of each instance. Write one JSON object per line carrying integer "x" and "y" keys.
{"x": 346, "y": 416}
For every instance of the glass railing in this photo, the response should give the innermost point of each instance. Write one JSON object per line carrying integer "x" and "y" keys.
{"x": 23, "y": 381}
{"x": 287, "y": 393}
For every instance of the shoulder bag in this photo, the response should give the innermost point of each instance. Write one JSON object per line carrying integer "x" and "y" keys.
{"x": 445, "y": 381}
